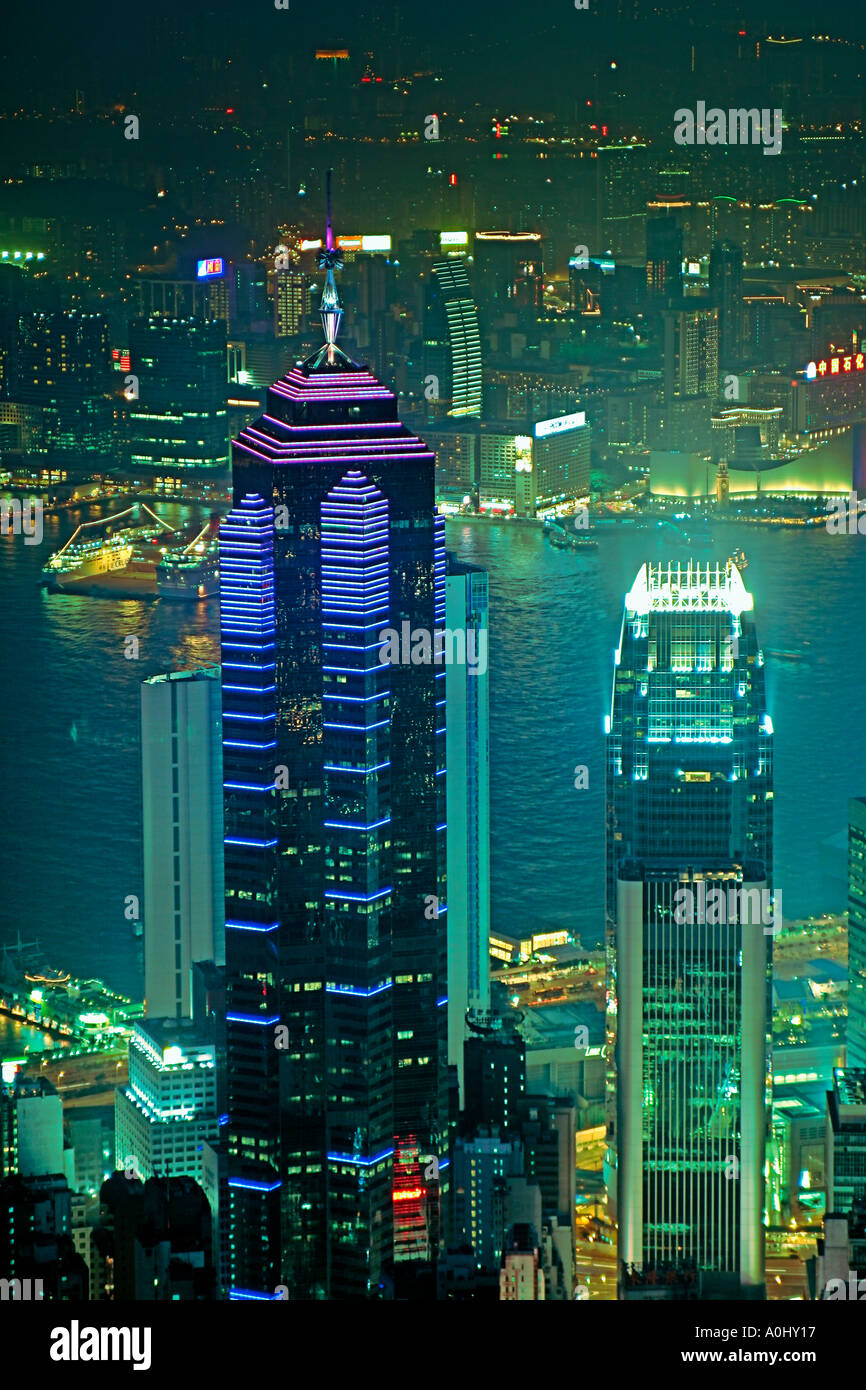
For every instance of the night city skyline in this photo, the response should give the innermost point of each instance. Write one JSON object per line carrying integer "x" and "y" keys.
{"x": 432, "y": 501}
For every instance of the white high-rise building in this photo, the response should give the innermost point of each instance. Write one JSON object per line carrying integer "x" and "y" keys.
{"x": 181, "y": 767}
{"x": 168, "y": 1111}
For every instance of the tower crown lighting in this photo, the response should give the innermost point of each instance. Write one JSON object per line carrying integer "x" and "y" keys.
{"x": 691, "y": 587}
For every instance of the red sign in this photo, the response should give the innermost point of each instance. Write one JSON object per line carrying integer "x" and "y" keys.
{"x": 836, "y": 366}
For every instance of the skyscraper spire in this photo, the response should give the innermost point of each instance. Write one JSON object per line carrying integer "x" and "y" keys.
{"x": 330, "y": 259}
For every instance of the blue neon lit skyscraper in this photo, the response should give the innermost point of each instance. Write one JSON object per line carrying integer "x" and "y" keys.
{"x": 335, "y": 837}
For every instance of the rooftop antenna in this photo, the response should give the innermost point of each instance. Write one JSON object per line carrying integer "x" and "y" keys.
{"x": 329, "y": 234}
{"x": 330, "y": 259}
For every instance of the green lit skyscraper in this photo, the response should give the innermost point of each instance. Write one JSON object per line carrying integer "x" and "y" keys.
{"x": 856, "y": 1036}
{"x": 690, "y": 923}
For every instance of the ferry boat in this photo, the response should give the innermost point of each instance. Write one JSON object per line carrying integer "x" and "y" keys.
{"x": 96, "y": 547}
{"x": 192, "y": 571}
{"x": 561, "y": 539}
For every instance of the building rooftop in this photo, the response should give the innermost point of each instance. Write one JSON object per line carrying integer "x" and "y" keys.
{"x": 677, "y": 587}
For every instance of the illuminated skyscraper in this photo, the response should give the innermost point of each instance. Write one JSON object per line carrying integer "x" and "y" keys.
{"x": 689, "y": 834}
{"x": 291, "y": 301}
{"x": 691, "y": 352}
{"x": 335, "y": 837}
{"x": 181, "y": 772}
{"x": 168, "y": 1110}
{"x": 452, "y": 342}
{"x": 179, "y": 419}
{"x": 468, "y": 754}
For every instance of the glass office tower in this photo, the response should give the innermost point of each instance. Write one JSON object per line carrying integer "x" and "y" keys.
{"x": 855, "y": 1038}
{"x": 452, "y": 340}
{"x": 335, "y": 837}
{"x": 690, "y": 927}
{"x": 468, "y": 754}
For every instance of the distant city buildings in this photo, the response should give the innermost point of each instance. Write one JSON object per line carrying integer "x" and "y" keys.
{"x": 63, "y": 384}
{"x": 529, "y": 467}
{"x": 664, "y": 257}
{"x": 508, "y": 270}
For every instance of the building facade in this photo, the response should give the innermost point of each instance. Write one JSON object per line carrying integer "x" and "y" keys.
{"x": 452, "y": 343}
{"x": 181, "y": 776}
{"x": 855, "y": 1053}
{"x": 468, "y": 760}
{"x": 179, "y": 419}
{"x": 690, "y": 922}
{"x": 335, "y": 838}
{"x": 168, "y": 1110}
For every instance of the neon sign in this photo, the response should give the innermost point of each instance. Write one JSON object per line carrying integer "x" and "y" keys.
{"x": 211, "y": 267}
{"x": 836, "y": 366}
{"x": 563, "y": 422}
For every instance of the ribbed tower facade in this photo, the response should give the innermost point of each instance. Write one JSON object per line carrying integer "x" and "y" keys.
{"x": 690, "y": 923}
{"x": 335, "y": 839}
{"x": 452, "y": 341}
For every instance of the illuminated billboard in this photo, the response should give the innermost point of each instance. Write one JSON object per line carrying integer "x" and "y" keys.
{"x": 837, "y": 365}
{"x": 208, "y": 269}
{"x": 453, "y": 238}
{"x": 356, "y": 243}
{"x": 561, "y": 423}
